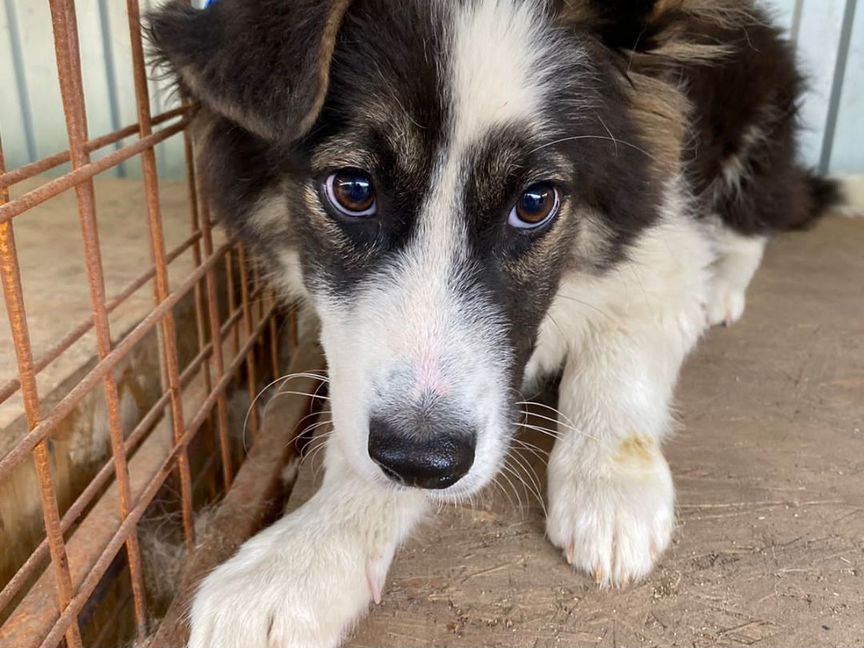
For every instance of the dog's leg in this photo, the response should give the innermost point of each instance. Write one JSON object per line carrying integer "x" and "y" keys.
{"x": 305, "y": 580}
{"x": 738, "y": 257}
{"x": 611, "y": 499}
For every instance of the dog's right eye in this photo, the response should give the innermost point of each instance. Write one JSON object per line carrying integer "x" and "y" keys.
{"x": 536, "y": 207}
{"x": 351, "y": 193}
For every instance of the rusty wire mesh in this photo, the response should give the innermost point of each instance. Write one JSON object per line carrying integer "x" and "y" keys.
{"x": 236, "y": 330}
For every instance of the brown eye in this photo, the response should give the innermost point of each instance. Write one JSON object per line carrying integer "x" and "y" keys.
{"x": 351, "y": 192}
{"x": 536, "y": 206}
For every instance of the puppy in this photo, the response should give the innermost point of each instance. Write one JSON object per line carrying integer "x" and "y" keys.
{"x": 475, "y": 194}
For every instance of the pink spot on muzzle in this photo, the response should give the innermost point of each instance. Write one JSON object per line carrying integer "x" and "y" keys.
{"x": 427, "y": 368}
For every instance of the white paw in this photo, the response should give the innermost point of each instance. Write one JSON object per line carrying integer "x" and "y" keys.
{"x": 297, "y": 583}
{"x": 726, "y": 304}
{"x": 612, "y": 517}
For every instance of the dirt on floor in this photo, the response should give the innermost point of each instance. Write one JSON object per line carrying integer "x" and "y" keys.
{"x": 769, "y": 466}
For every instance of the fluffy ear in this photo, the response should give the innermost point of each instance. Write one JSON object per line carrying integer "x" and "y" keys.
{"x": 264, "y": 64}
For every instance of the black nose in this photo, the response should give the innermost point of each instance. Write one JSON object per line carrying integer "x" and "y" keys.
{"x": 430, "y": 460}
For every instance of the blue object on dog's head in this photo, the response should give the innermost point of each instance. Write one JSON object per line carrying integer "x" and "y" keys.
{"x": 208, "y": 3}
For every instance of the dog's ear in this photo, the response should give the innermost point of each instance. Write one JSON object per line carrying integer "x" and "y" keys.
{"x": 264, "y": 64}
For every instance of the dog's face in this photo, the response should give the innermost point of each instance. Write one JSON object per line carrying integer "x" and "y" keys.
{"x": 428, "y": 171}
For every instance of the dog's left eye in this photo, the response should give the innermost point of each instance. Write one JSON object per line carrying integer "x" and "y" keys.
{"x": 536, "y": 206}
{"x": 351, "y": 193}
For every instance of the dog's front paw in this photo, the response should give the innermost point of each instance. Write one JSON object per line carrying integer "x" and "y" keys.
{"x": 291, "y": 585}
{"x": 612, "y": 516}
{"x": 725, "y": 305}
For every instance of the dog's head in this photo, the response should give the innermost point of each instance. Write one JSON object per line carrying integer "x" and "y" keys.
{"x": 426, "y": 172}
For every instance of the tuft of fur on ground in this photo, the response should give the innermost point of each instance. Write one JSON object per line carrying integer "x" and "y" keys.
{"x": 163, "y": 552}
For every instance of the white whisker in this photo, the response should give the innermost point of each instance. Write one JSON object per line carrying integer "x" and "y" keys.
{"x": 531, "y": 474}
{"x": 548, "y": 407}
{"x": 599, "y": 137}
{"x": 281, "y": 379}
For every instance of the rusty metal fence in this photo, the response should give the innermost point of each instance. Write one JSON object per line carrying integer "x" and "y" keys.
{"x": 42, "y": 602}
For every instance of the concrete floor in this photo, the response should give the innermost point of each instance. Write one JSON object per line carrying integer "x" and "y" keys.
{"x": 769, "y": 465}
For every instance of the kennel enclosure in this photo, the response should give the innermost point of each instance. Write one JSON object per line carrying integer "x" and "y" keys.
{"x": 144, "y": 382}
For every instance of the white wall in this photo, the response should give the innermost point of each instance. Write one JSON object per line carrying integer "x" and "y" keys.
{"x": 830, "y": 42}
{"x": 31, "y": 114}
{"x": 829, "y": 36}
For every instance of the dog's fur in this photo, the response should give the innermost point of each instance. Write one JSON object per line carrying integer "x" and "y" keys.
{"x": 667, "y": 127}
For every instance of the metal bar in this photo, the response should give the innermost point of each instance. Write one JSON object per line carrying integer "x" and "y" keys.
{"x": 218, "y": 361}
{"x": 52, "y": 161}
{"x": 194, "y": 210}
{"x": 222, "y": 385}
{"x": 274, "y": 345}
{"x": 72, "y": 92}
{"x": 837, "y": 85}
{"x": 100, "y": 567}
{"x": 62, "y": 409}
{"x": 200, "y": 294}
{"x": 795, "y": 31}
{"x": 10, "y": 275}
{"x": 50, "y": 189}
{"x": 110, "y": 72}
{"x": 157, "y": 244}
{"x": 232, "y": 294}
{"x": 20, "y": 79}
{"x": 295, "y": 328}
{"x": 251, "y": 377}
{"x": 196, "y": 250}
{"x": 256, "y": 282}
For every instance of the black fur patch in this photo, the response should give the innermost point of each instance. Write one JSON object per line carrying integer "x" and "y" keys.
{"x": 740, "y": 157}
{"x": 746, "y": 117}
{"x": 382, "y": 101}
{"x": 624, "y": 24}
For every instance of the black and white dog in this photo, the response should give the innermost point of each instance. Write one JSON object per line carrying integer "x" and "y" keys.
{"x": 474, "y": 194}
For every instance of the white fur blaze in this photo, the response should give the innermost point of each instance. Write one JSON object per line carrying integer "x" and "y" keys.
{"x": 498, "y": 66}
